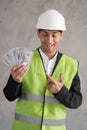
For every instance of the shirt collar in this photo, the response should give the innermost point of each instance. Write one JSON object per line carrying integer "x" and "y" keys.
{"x": 44, "y": 57}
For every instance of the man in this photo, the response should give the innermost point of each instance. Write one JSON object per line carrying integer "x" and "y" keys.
{"x": 51, "y": 83}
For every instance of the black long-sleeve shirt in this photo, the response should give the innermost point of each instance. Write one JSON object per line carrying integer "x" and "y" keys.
{"x": 70, "y": 98}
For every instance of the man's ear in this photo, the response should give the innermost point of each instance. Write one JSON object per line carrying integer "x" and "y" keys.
{"x": 38, "y": 33}
{"x": 62, "y": 35}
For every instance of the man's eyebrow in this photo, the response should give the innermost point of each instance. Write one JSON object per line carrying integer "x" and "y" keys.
{"x": 55, "y": 32}
{"x": 47, "y": 32}
{"x": 44, "y": 31}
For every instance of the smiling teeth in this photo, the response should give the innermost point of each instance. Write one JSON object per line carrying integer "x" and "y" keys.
{"x": 49, "y": 45}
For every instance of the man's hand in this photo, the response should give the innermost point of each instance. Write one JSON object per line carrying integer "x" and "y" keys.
{"x": 54, "y": 86}
{"x": 17, "y": 72}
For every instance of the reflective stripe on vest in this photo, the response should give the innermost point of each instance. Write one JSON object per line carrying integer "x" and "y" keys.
{"x": 39, "y": 98}
{"x": 34, "y": 120}
{"x": 30, "y": 106}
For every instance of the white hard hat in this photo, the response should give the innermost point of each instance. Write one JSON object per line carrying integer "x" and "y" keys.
{"x": 51, "y": 20}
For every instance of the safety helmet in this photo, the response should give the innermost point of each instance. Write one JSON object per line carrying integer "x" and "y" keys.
{"x": 51, "y": 20}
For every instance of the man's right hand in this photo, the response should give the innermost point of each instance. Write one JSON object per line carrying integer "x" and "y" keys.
{"x": 18, "y": 72}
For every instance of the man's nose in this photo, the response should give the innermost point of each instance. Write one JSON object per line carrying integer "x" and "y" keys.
{"x": 50, "y": 39}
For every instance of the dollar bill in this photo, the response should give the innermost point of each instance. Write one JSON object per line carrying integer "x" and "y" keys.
{"x": 18, "y": 56}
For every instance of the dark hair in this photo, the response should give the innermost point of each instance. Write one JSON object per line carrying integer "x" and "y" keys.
{"x": 60, "y": 31}
{"x": 56, "y": 30}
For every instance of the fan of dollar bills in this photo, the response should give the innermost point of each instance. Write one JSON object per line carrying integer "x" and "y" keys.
{"x": 18, "y": 56}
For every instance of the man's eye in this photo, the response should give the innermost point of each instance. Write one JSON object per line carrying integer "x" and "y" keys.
{"x": 44, "y": 34}
{"x": 54, "y": 35}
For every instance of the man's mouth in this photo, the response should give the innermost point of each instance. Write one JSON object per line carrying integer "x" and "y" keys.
{"x": 50, "y": 45}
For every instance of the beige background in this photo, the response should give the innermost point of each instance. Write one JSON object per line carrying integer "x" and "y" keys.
{"x": 17, "y": 28}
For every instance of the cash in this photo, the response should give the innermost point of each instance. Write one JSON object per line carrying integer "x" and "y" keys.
{"x": 18, "y": 56}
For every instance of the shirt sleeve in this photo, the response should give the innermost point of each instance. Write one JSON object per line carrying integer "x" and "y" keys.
{"x": 71, "y": 98}
{"x": 12, "y": 90}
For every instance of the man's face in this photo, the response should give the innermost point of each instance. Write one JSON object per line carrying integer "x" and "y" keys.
{"x": 50, "y": 40}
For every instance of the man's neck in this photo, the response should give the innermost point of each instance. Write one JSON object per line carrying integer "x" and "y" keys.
{"x": 49, "y": 55}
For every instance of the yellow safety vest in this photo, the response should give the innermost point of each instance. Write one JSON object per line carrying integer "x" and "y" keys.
{"x": 37, "y": 108}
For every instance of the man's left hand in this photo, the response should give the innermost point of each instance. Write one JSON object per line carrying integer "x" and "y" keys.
{"x": 54, "y": 86}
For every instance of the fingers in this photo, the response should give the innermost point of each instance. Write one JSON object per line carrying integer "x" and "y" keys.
{"x": 53, "y": 85}
{"x": 61, "y": 78}
{"x": 51, "y": 89}
{"x": 18, "y": 72}
{"x": 15, "y": 68}
{"x": 50, "y": 79}
{"x": 18, "y": 69}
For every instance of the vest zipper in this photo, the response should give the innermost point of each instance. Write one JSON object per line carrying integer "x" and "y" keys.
{"x": 57, "y": 60}
{"x": 43, "y": 109}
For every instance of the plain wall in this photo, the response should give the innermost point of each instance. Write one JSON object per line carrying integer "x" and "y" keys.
{"x": 17, "y": 28}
